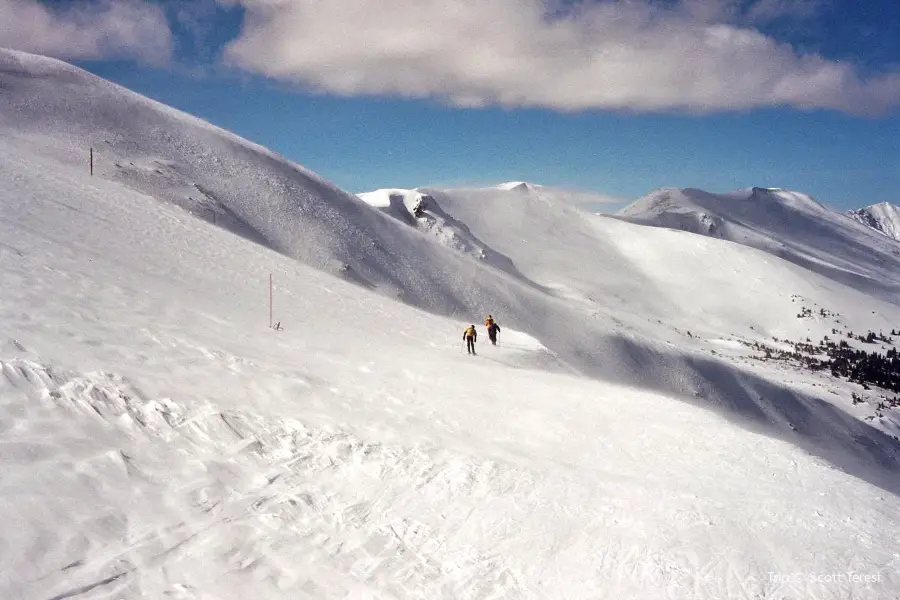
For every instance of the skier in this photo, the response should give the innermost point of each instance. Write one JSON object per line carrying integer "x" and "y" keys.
{"x": 493, "y": 329}
{"x": 470, "y": 335}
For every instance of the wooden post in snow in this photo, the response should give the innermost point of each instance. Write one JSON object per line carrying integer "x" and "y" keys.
{"x": 92, "y": 161}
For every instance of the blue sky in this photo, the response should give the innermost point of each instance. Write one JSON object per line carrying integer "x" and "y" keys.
{"x": 613, "y": 97}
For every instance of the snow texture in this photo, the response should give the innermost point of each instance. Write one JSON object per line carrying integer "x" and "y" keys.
{"x": 883, "y": 217}
{"x": 159, "y": 440}
{"x": 421, "y": 210}
{"x": 790, "y": 225}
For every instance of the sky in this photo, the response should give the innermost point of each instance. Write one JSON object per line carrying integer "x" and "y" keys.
{"x": 614, "y": 97}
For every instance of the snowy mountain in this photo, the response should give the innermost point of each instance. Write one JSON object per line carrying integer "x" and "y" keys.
{"x": 421, "y": 211}
{"x": 789, "y": 225}
{"x": 217, "y": 176}
{"x": 591, "y": 201}
{"x": 625, "y": 439}
{"x": 681, "y": 306}
{"x": 519, "y": 186}
{"x": 883, "y": 217}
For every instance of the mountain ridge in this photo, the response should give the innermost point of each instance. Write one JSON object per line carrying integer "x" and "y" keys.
{"x": 790, "y": 225}
{"x": 883, "y": 217}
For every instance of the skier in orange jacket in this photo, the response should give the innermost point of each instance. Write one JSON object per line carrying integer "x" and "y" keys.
{"x": 492, "y": 328}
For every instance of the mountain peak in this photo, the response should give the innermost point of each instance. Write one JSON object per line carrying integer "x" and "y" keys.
{"x": 517, "y": 186}
{"x": 790, "y": 198}
{"x": 788, "y": 224}
{"x": 883, "y": 217}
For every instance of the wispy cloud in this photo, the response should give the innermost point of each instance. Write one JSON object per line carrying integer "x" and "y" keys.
{"x": 767, "y": 10}
{"x": 585, "y": 199}
{"x": 133, "y": 29}
{"x": 696, "y": 55}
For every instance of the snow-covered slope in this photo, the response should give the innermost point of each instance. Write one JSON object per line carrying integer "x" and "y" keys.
{"x": 616, "y": 268}
{"x": 422, "y": 211}
{"x": 53, "y": 106}
{"x": 158, "y": 440}
{"x": 700, "y": 299}
{"x": 586, "y": 199}
{"x": 883, "y": 217}
{"x": 790, "y": 225}
{"x": 217, "y": 176}
{"x": 518, "y": 186}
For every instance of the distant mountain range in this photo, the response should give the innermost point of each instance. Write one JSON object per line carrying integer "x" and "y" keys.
{"x": 788, "y": 224}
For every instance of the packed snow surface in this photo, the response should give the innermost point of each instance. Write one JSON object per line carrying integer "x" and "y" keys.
{"x": 159, "y": 440}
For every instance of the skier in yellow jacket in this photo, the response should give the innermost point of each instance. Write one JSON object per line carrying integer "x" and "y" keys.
{"x": 470, "y": 335}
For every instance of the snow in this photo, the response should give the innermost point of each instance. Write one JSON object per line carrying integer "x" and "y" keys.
{"x": 398, "y": 203}
{"x": 516, "y": 186}
{"x": 790, "y": 225}
{"x": 159, "y": 440}
{"x": 883, "y": 217}
{"x": 405, "y": 205}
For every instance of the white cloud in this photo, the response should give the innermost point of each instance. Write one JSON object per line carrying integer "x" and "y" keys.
{"x": 87, "y": 29}
{"x": 611, "y": 54}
